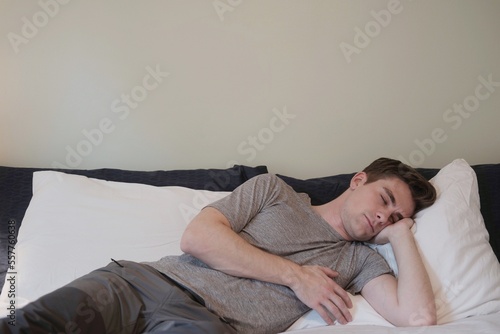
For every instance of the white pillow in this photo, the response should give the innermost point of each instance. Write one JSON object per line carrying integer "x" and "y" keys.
{"x": 76, "y": 224}
{"x": 453, "y": 242}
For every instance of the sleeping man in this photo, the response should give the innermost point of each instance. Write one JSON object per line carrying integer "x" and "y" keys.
{"x": 257, "y": 260}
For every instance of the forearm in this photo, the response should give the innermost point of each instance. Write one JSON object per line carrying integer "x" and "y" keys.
{"x": 415, "y": 297}
{"x": 210, "y": 238}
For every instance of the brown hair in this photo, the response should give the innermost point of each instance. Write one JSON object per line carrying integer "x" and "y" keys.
{"x": 422, "y": 191}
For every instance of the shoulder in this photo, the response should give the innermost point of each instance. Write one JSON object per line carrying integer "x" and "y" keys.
{"x": 266, "y": 181}
{"x": 268, "y": 177}
{"x": 258, "y": 190}
{"x": 269, "y": 189}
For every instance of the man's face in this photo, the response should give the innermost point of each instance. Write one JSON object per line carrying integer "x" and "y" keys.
{"x": 370, "y": 207}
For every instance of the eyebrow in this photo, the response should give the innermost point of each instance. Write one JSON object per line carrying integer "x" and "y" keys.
{"x": 391, "y": 195}
{"x": 393, "y": 200}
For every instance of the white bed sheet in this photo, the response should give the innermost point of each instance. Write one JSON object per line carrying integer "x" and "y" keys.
{"x": 483, "y": 324}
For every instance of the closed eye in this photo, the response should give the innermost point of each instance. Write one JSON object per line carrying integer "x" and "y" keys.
{"x": 397, "y": 216}
{"x": 383, "y": 200}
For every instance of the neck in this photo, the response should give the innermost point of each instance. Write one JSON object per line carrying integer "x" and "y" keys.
{"x": 331, "y": 213}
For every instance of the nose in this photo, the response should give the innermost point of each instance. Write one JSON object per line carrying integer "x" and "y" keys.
{"x": 383, "y": 217}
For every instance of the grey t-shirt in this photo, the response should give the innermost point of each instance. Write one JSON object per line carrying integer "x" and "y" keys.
{"x": 269, "y": 214}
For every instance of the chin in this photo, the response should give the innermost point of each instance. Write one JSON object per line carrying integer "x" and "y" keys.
{"x": 367, "y": 236}
{"x": 363, "y": 237}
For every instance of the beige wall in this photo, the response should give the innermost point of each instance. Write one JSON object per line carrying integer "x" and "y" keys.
{"x": 309, "y": 88}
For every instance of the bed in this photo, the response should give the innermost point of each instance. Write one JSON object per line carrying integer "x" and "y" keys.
{"x": 59, "y": 224}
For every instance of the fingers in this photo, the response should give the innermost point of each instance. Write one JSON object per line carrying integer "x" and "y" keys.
{"x": 329, "y": 272}
{"x": 334, "y": 309}
{"x": 342, "y": 303}
{"x": 318, "y": 289}
{"x": 336, "y": 288}
{"x": 342, "y": 314}
{"x": 409, "y": 222}
{"x": 344, "y": 296}
{"x": 325, "y": 315}
{"x": 337, "y": 303}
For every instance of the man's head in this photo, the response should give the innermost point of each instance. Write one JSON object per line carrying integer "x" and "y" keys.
{"x": 423, "y": 193}
{"x": 382, "y": 194}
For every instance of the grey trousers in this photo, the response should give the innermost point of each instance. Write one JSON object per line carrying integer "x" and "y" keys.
{"x": 121, "y": 298}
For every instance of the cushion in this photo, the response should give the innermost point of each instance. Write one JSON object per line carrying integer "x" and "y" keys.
{"x": 453, "y": 241}
{"x": 321, "y": 189}
{"x": 75, "y": 224}
{"x": 488, "y": 179}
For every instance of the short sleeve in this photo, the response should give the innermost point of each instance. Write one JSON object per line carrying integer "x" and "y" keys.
{"x": 246, "y": 201}
{"x": 370, "y": 266}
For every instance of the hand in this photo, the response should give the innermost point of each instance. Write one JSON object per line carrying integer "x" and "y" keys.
{"x": 397, "y": 229}
{"x": 316, "y": 288}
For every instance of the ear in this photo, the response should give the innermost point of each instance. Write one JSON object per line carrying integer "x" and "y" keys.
{"x": 357, "y": 180}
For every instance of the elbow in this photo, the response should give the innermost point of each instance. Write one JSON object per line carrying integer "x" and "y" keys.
{"x": 190, "y": 242}
{"x": 195, "y": 240}
{"x": 431, "y": 319}
{"x": 427, "y": 321}
{"x": 202, "y": 236}
{"x": 185, "y": 244}
{"x": 205, "y": 235}
{"x": 423, "y": 318}
{"x": 430, "y": 314}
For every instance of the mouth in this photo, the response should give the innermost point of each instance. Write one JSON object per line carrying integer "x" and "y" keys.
{"x": 370, "y": 224}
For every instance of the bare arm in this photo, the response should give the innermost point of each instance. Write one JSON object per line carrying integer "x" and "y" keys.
{"x": 409, "y": 300}
{"x": 210, "y": 238}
